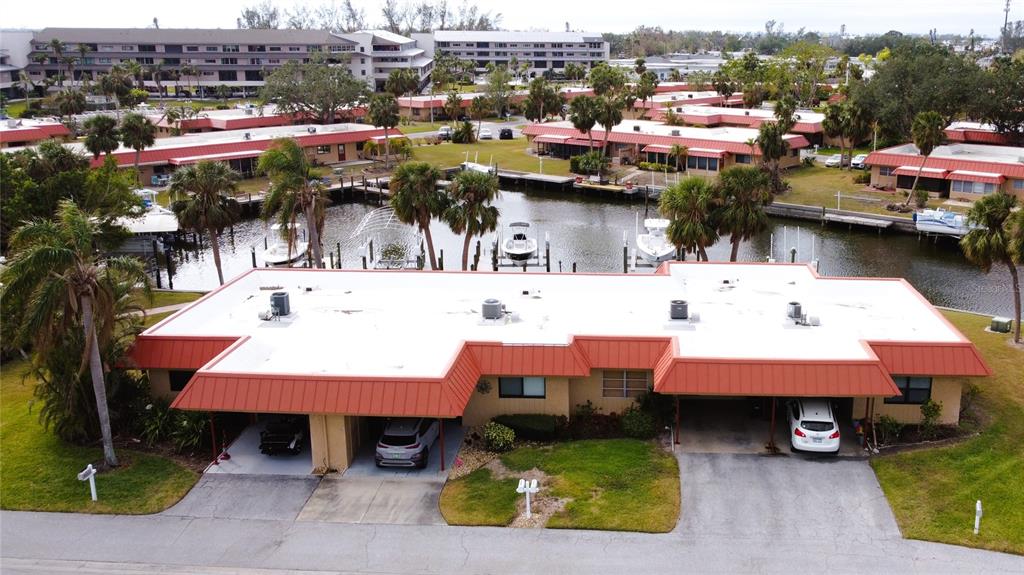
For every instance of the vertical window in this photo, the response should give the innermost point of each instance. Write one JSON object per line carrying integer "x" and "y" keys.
{"x": 621, "y": 383}
{"x": 521, "y": 387}
{"x": 915, "y": 389}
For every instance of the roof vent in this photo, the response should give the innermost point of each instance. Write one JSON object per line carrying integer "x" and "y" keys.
{"x": 675, "y": 133}
{"x": 746, "y": 113}
{"x": 280, "y": 304}
{"x": 247, "y": 136}
{"x": 689, "y": 95}
{"x": 493, "y": 309}
{"x": 678, "y": 309}
{"x": 679, "y": 110}
{"x": 636, "y": 128}
{"x": 311, "y": 129}
{"x": 12, "y": 123}
{"x": 793, "y": 310}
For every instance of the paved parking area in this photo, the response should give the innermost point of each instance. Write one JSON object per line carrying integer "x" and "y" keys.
{"x": 247, "y": 459}
{"x": 780, "y": 498}
{"x": 363, "y": 465}
{"x": 375, "y": 500}
{"x": 233, "y": 496}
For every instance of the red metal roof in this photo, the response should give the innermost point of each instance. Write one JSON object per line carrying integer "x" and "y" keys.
{"x": 902, "y": 358}
{"x": 34, "y": 133}
{"x": 914, "y": 170}
{"x": 984, "y": 177}
{"x": 176, "y": 352}
{"x": 775, "y": 378}
{"x": 886, "y": 158}
{"x": 969, "y": 136}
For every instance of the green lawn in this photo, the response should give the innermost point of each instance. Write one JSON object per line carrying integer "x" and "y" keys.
{"x": 37, "y": 470}
{"x": 162, "y": 298}
{"x": 615, "y": 484}
{"x": 933, "y": 492}
{"x": 508, "y": 154}
{"x": 14, "y": 109}
{"x": 155, "y": 318}
{"x": 420, "y": 127}
{"x": 817, "y": 186}
{"x": 828, "y": 150}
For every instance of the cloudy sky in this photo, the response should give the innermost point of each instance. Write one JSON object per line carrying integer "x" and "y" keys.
{"x": 860, "y": 16}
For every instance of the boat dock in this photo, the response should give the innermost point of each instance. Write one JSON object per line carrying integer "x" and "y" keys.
{"x": 828, "y": 215}
{"x": 857, "y": 221}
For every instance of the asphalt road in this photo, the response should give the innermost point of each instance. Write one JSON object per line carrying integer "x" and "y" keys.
{"x": 741, "y": 514}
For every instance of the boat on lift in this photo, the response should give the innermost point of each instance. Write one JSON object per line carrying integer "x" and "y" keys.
{"x": 652, "y": 245}
{"x": 278, "y": 254}
{"x": 940, "y": 221}
{"x": 518, "y": 246}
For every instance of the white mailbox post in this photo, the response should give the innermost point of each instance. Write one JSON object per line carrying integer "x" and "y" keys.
{"x": 529, "y": 488}
{"x": 89, "y": 474}
{"x": 977, "y": 516}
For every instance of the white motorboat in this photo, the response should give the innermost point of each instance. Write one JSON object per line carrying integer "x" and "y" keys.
{"x": 940, "y": 221}
{"x": 278, "y": 254}
{"x": 154, "y": 221}
{"x": 519, "y": 247}
{"x": 475, "y": 167}
{"x": 652, "y": 245}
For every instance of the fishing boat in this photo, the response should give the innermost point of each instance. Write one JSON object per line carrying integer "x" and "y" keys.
{"x": 652, "y": 245}
{"x": 518, "y": 247}
{"x": 278, "y": 255}
{"x": 940, "y": 221}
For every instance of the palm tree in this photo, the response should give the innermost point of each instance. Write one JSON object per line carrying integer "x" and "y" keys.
{"x": 402, "y": 81}
{"x": 453, "y": 106}
{"x": 156, "y": 74}
{"x": 680, "y": 153}
{"x": 383, "y": 112}
{"x": 67, "y": 284}
{"x": 927, "y": 131}
{"x": 471, "y": 212}
{"x": 206, "y": 207}
{"x": 691, "y": 208}
{"x": 773, "y": 145}
{"x": 101, "y": 135}
{"x": 189, "y": 71}
{"x": 294, "y": 190}
{"x": 70, "y": 103}
{"x": 997, "y": 239}
{"x": 583, "y": 115}
{"x": 69, "y": 65}
{"x": 416, "y": 199}
{"x": 83, "y": 51}
{"x": 137, "y": 133}
{"x": 478, "y": 108}
{"x": 836, "y": 124}
{"x": 137, "y": 72}
{"x": 27, "y": 86}
{"x": 744, "y": 192}
{"x": 608, "y": 114}
{"x": 58, "y": 50}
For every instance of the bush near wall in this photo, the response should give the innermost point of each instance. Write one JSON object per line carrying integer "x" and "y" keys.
{"x": 656, "y": 167}
{"x": 534, "y": 426}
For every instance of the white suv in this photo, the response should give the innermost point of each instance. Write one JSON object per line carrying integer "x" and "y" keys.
{"x": 812, "y": 426}
{"x": 406, "y": 442}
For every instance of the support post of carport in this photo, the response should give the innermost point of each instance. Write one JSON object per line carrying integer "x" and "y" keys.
{"x": 213, "y": 440}
{"x": 675, "y": 431}
{"x": 771, "y": 447}
{"x": 440, "y": 423}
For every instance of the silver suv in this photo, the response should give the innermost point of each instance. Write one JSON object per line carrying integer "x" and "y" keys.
{"x": 406, "y": 442}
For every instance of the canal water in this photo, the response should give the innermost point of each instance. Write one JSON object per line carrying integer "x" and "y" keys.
{"x": 589, "y": 233}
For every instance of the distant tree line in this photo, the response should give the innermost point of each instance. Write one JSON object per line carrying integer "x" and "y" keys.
{"x": 398, "y": 16}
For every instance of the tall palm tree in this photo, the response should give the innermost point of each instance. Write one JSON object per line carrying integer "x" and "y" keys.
{"x": 83, "y": 51}
{"x": 101, "y": 135}
{"x": 691, "y": 208}
{"x": 27, "y": 86}
{"x": 156, "y": 72}
{"x": 294, "y": 190}
{"x": 997, "y": 239}
{"x": 383, "y": 112}
{"x": 69, "y": 65}
{"x": 453, "y": 106}
{"x": 57, "y": 269}
{"x": 744, "y": 192}
{"x": 773, "y": 145}
{"x": 136, "y": 72}
{"x": 471, "y": 211}
{"x": 70, "y": 103}
{"x": 203, "y": 203}
{"x": 927, "y": 131}
{"x": 58, "y": 54}
{"x": 137, "y": 133}
{"x": 583, "y": 115}
{"x": 836, "y": 124}
{"x": 680, "y": 152}
{"x": 402, "y": 81}
{"x": 609, "y": 114}
{"x": 189, "y": 71}
{"x": 417, "y": 200}
{"x": 478, "y": 108}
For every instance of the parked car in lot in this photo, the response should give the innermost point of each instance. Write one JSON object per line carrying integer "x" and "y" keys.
{"x": 485, "y": 134}
{"x": 444, "y": 133}
{"x": 406, "y": 442}
{"x": 812, "y": 426}
{"x": 506, "y": 134}
{"x": 285, "y": 435}
{"x": 836, "y": 160}
{"x": 858, "y": 162}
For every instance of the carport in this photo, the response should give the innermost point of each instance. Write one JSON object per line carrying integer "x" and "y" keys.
{"x": 442, "y": 453}
{"x": 243, "y": 457}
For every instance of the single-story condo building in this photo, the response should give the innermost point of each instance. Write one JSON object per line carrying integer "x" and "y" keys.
{"x": 26, "y": 132}
{"x": 237, "y": 118}
{"x": 976, "y": 133}
{"x": 325, "y": 144}
{"x": 808, "y": 122}
{"x": 709, "y": 150}
{"x": 963, "y": 171}
{"x": 347, "y": 349}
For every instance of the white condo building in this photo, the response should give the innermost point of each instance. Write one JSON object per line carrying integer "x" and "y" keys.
{"x": 543, "y": 50}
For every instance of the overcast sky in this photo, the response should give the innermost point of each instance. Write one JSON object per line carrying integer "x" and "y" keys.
{"x": 860, "y": 16}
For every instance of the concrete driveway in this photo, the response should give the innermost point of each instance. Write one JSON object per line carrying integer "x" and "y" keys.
{"x": 375, "y": 500}
{"x": 230, "y": 496}
{"x": 783, "y": 499}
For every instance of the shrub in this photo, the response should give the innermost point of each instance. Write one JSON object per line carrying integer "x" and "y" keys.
{"x": 189, "y": 430}
{"x": 656, "y": 167}
{"x": 588, "y": 423}
{"x": 498, "y": 437}
{"x": 662, "y": 407}
{"x": 156, "y": 422}
{"x": 592, "y": 162}
{"x": 890, "y": 429}
{"x": 931, "y": 411}
{"x": 971, "y": 391}
{"x": 532, "y": 426}
{"x": 920, "y": 198}
{"x": 638, "y": 423}
{"x": 862, "y": 178}
{"x": 464, "y": 134}
{"x": 808, "y": 161}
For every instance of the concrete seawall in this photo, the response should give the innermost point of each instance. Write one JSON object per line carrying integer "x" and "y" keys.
{"x": 821, "y": 214}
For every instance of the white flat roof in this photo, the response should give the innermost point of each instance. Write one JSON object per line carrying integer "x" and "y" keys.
{"x": 683, "y": 95}
{"x": 721, "y": 133}
{"x": 413, "y": 323}
{"x": 973, "y": 152}
{"x": 800, "y": 115}
{"x": 513, "y": 36}
{"x": 229, "y": 114}
{"x": 27, "y": 123}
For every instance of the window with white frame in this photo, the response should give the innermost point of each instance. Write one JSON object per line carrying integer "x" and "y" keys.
{"x": 521, "y": 387}
{"x": 624, "y": 383}
{"x": 323, "y": 149}
{"x": 965, "y": 187}
{"x": 885, "y": 170}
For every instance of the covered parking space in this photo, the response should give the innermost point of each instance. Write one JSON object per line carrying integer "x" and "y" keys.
{"x": 441, "y": 453}
{"x": 271, "y": 444}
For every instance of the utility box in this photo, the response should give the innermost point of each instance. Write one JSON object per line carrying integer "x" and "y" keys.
{"x": 280, "y": 303}
{"x": 1001, "y": 324}
{"x": 678, "y": 309}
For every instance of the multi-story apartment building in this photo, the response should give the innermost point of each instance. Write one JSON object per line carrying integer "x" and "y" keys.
{"x": 14, "y": 48}
{"x": 542, "y": 50}
{"x": 205, "y": 58}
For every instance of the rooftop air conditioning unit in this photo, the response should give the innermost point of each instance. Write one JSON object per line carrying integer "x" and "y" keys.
{"x": 793, "y": 310}
{"x": 247, "y": 136}
{"x": 746, "y": 113}
{"x": 679, "y": 110}
{"x": 689, "y": 95}
{"x": 678, "y": 309}
{"x": 12, "y": 123}
{"x": 675, "y": 133}
{"x": 248, "y": 111}
{"x": 636, "y": 128}
{"x": 493, "y": 309}
{"x": 280, "y": 303}
{"x": 311, "y": 129}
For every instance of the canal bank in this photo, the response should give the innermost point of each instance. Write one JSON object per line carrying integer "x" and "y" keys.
{"x": 589, "y": 232}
